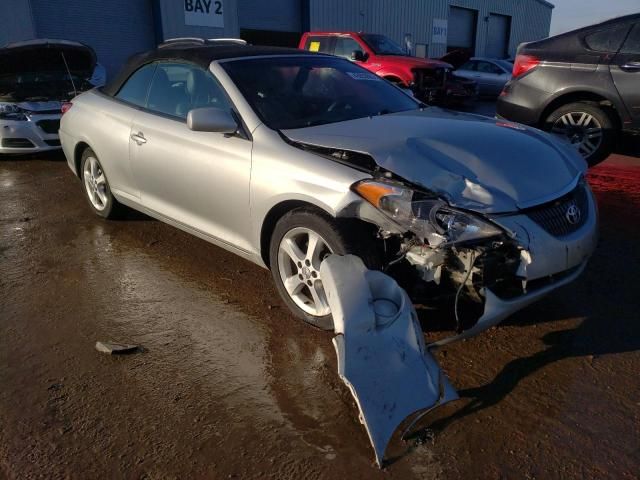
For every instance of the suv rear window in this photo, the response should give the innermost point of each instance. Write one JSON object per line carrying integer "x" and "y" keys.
{"x": 632, "y": 45}
{"x": 608, "y": 40}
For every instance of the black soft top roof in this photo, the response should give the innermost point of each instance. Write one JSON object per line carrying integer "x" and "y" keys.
{"x": 201, "y": 55}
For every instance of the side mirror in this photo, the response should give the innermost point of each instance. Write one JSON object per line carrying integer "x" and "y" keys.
{"x": 358, "y": 56}
{"x": 210, "y": 119}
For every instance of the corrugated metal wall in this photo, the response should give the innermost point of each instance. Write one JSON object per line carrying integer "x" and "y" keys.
{"x": 393, "y": 18}
{"x": 173, "y": 24}
{"x": 115, "y": 29}
{"x": 16, "y": 21}
{"x": 531, "y": 19}
{"x": 279, "y": 15}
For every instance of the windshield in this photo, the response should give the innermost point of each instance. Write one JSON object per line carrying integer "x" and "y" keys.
{"x": 301, "y": 91}
{"x": 382, "y": 45}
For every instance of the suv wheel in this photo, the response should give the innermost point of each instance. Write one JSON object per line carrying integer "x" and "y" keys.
{"x": 587, "y": 127}
{"x": 301, "y": 240}
{"x": 96, "y": 186}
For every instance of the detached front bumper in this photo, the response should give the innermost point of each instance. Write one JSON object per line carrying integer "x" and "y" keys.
{"x": 38, "y": 133}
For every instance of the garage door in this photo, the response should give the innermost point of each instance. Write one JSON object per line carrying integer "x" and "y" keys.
{"x": 499, "y": 30}
{"x": 462, "y": 29}
{"x": 115, "y": 29}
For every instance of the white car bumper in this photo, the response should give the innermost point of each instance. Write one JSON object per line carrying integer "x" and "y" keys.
{"x": 36, "y": 134}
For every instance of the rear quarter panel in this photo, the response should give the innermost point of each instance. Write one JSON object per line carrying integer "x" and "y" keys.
{"x": 554, "y": 80}
{"x": 103, "y": 124}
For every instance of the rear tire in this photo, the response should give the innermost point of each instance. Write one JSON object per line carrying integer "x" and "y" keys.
{"x": 588, "y": 128}
{"x": 96, "y": 187}
{"x": 302, "y": 238}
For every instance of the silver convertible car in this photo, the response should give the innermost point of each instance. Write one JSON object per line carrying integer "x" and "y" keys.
{"x": 284, "y": 157}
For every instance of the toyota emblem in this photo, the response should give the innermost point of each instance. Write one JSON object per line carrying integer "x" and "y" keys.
{"x": 573, "y": 214}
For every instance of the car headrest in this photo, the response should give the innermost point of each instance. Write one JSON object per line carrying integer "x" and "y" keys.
{"x": 196, "y": 82}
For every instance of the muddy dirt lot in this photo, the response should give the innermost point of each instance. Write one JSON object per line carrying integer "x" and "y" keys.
{"x": 231, "y": 386}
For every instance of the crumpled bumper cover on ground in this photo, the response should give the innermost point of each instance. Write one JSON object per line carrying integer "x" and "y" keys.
{"x": 380, "y": 347}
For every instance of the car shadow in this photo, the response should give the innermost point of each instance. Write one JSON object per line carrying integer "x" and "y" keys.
{"x": 628, "y": 145}
{"x": 596, "y": 336}
{"x": 47, "y": 156}
{"x": 131, "y": 215}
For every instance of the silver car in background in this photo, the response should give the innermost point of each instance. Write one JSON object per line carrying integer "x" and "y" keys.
{"x": 36, "y": 78}
{"x": 284, "y": 157}
{"x": 490, "y": 73}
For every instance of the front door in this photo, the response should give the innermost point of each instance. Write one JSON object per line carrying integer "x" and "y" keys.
{"x": 625, "y": 70}
{"x": 198, "y": 179}
{"x": 490, "y": 78}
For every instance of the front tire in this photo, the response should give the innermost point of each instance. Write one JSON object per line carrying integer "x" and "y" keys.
{"x": 301, "y": 239}
{"x": 587, "y": 127}
{"x": 96, "y": 187}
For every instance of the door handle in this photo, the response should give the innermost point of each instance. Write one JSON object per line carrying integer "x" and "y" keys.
{"x": 138, "y": 138}
{"x": 633, "y": 66}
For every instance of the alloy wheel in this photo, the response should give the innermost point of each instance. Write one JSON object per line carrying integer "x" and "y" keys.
{"x": 300, "y": 254}
{"x": 582, "y": 130}
{"x": 95, "y": 183}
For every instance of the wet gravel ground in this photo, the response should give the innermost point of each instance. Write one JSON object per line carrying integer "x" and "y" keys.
{"x": 229, "y": 385}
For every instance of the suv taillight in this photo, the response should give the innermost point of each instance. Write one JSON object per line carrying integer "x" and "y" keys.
{"x": 66, "y": 106}
{"x": 523, "y": 64}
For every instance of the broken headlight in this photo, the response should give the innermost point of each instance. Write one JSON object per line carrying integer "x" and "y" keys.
{"x": 9, "y": 111}
{"x": 431, "y": 219}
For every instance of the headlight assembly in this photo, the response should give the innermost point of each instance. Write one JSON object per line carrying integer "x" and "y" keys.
{"x": 10, "y": 111}
{"x": 431, "y": 219}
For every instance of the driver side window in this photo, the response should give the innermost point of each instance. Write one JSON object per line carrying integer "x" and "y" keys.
{"x": 345, "y": 46}
{"x": 486, "y": 67}
{"x": 178, "y": 88}
{"x": 470, "y": 66}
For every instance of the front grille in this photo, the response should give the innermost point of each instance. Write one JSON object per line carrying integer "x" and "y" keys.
{"x": 17, "y": 143}
{"x": 429, "y": 78}
{"x": 564, "y": 215}
{"x": 49, "y": 126}
{"x": 52, "y": 143}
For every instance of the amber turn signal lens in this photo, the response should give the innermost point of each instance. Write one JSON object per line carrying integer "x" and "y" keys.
{"x": 373, "y": 192}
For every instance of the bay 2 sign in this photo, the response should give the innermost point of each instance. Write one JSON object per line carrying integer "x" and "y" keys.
{"x": 204, "y": 13}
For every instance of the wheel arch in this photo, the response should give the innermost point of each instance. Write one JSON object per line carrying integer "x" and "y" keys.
{"x": 582, "y": 96}
{"x": 77, "y": 156}
{"x": 276, "y": 213}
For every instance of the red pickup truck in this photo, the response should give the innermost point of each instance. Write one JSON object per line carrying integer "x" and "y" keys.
{"x": 430, "y": 80}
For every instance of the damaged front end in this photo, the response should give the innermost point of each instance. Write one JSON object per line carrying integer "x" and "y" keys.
{"x": 440, "y": 253}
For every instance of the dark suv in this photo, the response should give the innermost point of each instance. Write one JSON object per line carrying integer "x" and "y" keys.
{"x": 583, "y": 85}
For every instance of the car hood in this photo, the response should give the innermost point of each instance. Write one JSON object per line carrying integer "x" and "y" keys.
{"x": 39, "y": 69}
{"x": 456, "y": 58}
{"x": 474, "y": 162}
{"x": 46, "y": 56}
